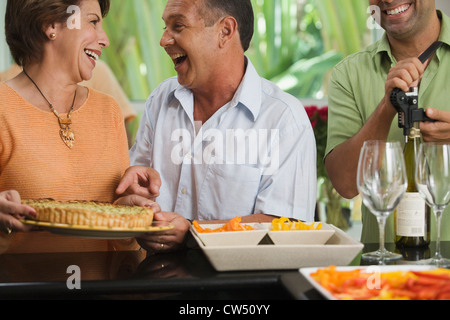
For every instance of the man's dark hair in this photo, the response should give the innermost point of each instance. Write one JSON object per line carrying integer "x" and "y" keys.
{"x": 241, "y": 10}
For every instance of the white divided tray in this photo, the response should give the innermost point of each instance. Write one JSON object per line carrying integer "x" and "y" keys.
{"x": 339, "y": 250}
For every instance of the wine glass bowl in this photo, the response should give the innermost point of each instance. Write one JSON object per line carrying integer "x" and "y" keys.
{"x": 433, "y": 182}
{"x": 382, "y": 182}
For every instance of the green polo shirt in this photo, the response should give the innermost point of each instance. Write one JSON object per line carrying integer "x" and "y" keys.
{"x": 356, "y": 89}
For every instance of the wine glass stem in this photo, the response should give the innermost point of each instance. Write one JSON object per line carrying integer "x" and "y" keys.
{"x": 438, "y": 214}
{"x": 381, "y": 227}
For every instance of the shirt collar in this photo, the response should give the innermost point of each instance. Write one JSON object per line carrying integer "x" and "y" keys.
{"x": 247, "y": 95}
{"x": 249, "y": 91}
{"x": 445, "y": 30}
{"x": 384, "y": 46}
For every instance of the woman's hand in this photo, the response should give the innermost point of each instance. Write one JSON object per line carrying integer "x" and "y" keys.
{"x": 12, "y": 210}
{"x": 166, "y": 241}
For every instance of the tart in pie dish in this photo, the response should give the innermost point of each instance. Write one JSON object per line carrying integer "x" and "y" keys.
{"x": 90, "y": 213}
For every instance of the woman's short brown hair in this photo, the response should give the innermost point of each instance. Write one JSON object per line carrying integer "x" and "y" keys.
{"x": 26, "y": 20}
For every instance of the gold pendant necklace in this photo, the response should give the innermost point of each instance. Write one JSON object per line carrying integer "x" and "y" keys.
{"x": 66, "y": 133}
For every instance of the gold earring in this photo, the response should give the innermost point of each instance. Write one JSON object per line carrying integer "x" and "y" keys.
{"x": 53, "y": 36}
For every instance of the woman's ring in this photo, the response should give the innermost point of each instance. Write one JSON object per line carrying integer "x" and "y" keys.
{"x": 7, "y": 230}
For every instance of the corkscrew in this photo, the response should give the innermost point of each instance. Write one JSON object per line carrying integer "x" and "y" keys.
{"x": 407, "y": 103}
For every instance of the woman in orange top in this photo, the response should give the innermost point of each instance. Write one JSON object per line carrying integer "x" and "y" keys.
{"x": 57, "y": 139}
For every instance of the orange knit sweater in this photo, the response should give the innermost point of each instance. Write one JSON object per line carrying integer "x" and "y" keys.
{"x": 35, "y": 161}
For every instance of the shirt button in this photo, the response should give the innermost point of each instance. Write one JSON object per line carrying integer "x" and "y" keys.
{"x": 183, "y": 191}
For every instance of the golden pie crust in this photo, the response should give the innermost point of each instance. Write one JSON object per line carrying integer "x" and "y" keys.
{"x": 90, "y": 213}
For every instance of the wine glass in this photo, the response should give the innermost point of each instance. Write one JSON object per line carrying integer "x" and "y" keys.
{"x": 433, "y": 183}
{"x": 382, "y": 182}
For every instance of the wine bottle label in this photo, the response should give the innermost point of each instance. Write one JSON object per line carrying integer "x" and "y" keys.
{"x": 411, "y": 216}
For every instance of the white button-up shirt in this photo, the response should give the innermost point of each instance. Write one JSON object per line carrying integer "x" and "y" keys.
{"x": 257, "y": 154}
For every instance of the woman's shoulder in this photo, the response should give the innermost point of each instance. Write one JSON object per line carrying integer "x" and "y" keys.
{"x": 8, "y": 96}
{"x": 100, "y": 104}
{"x": 95, "y": 96}
{"x": 101, "y": 100}
{"x": 5, "y": 89}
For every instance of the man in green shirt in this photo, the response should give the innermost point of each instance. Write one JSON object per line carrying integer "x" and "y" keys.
{"x": 359, "y": 104}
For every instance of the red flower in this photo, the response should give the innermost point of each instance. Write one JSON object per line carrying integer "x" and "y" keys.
{"x": 319, "y": 123}
{"x": 323, "y": 114}
{"x": 311, "y": 111}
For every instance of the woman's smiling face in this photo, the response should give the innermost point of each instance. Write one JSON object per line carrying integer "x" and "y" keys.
{"x": 82, "y": 43}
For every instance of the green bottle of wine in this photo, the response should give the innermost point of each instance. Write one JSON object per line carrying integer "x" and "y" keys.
{"x": 412, "y": 216}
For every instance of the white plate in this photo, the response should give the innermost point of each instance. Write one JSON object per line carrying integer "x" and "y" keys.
{"x": 302, "y": 237}
{"x": 306, "y": 272}
{"x": 231, "y": 238}
{"x": 341, "y": 249}
{"x": 99, "y": 232}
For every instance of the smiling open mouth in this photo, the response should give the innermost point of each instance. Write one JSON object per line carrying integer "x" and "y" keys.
{"x": 178, "y": 59}
{"x": 91, "y": 54}
{"x": 398, "y": 10}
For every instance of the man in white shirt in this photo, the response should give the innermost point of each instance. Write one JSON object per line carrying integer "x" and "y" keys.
{"x": 225, "y": 141}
